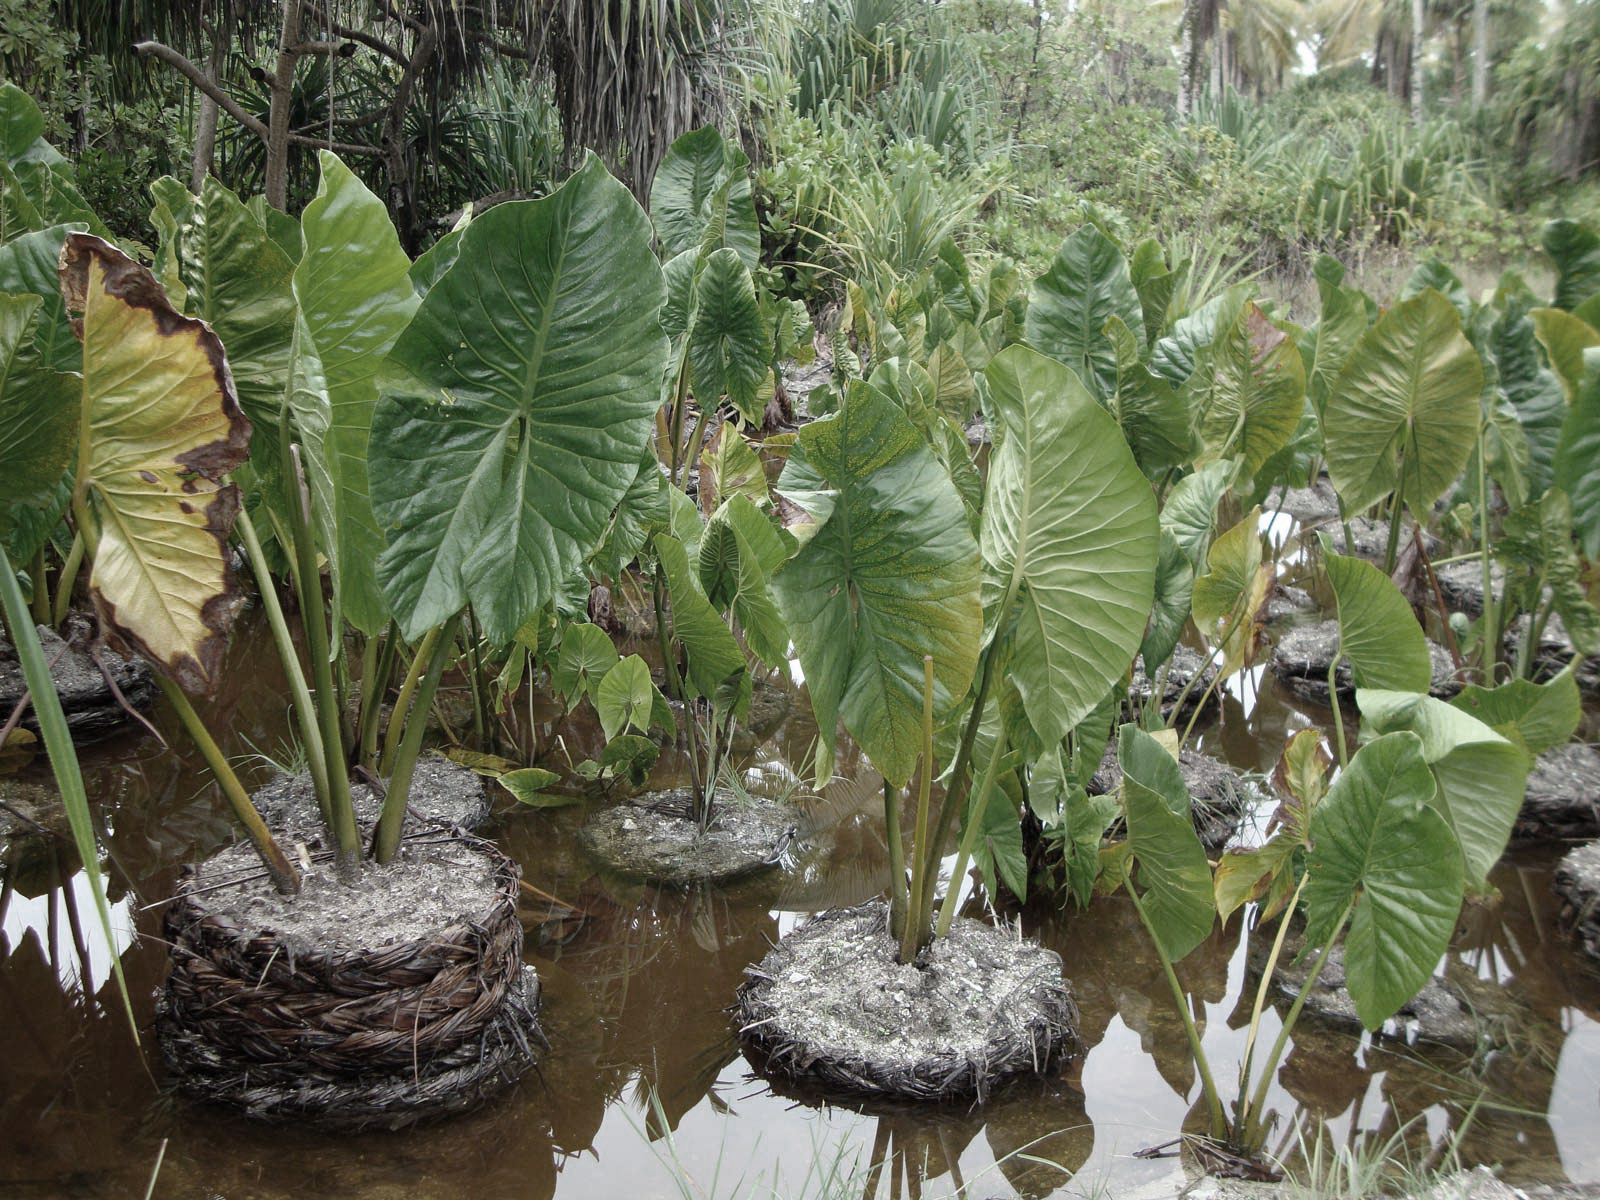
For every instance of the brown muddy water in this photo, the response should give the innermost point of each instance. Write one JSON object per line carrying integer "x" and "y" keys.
{"x": 643, "y": 1093}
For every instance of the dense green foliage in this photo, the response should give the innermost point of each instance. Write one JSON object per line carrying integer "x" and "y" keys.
{"x": 1057, "y": 405}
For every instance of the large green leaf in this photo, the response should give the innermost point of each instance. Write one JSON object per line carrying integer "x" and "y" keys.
{"x": 1407, "y": 398}
{"x": 739, "y": 552}
{"x": 1231, "y": 592}
{"x": 1174, "y": 878}
{"x": 1536, "y": 393}
{"x": 1378, "y": 632}
{"x": 1576, "y": 251}
{"x": 29, "y": 264}
{"x": 626, "y": 697}
{"x": 1154, "y": 415}
{"x": 728, "y": 338}
{"x": 1377, "y": 844}
{"x": 161, "y": 428}
{"x": 700, "y": 198}
{"x": 1480, "y": 775}
{"x": 586, "y": 657}
{"x": 1086, "y": 285}
{"x": 1191, "y": 508}
{"x": 1565, "y": 338}
{"x": 1249, "y": 390}
{"x": 1343, "y": 321}
{"x": 1537, "y": 716}
{"x": 1577, "y": 462}
{"x": 712, "y": 655}
{"x": 354, "y": 297}
{"x": 38, "y": 410}
{"x": 890, "y": 575}
{"x": 1155, "y": 285}
{"x": 1170, "y": 610}
{"x": 240, "y": 283}
{"x": 1070, "y": 535}
{"x": 520, "y": 400}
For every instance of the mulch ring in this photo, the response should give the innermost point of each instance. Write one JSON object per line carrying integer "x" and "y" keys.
{"x": 1577, "y": 883}
{"x": 1562, "y": 802}
{"x": 830, "y": 1007}
{"x": 348, "y": 1037}
{"x": 654, "y": 837}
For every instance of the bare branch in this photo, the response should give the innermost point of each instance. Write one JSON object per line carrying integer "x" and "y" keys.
{"x": 196, "y": 76}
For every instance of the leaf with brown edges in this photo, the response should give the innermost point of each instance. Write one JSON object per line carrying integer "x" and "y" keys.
{"x": 162, "y": 427}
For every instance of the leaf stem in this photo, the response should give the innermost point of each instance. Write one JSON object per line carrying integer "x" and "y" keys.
{"x": 289, "y": 656}
{"x": 387, "y": 835}
{"x": 1250, "y": 1135}
{"x": 917, "y": 921}
{"x": 1219, "y": 1119}
{"x": 402, "y": 704}
{"x": 272, "y": 856}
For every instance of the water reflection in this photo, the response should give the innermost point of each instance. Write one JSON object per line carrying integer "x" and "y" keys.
{"x": 643, "y": 1089}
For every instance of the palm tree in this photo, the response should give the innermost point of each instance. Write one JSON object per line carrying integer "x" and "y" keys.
{"x": 1253, "y": 44}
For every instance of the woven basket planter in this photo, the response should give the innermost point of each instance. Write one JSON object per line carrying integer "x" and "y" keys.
{"x": 348, "y": 1038}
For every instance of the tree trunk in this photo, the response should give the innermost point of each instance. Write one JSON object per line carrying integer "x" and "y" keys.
{"x": 1480, "y": 52}
{"x": 282, "y": 86}
{"x": 401, "y": 199}
{"x": 1419, "y": 16}
{"x": 205, "y": 136}
{"x": 1033, "y": 65}
{"x": 1188, "y": 55}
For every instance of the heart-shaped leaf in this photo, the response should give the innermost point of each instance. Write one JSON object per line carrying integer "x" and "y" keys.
{"x": 522, "y": 396}
{"x": 161, "y": 428}
{"x": 1069, "y": 533}
{"x": 1377, "y": 843}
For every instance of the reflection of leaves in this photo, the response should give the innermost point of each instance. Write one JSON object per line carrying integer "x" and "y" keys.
{"x": 18, "y": 751}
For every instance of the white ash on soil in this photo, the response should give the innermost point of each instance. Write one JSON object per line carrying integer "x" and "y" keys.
{"x": 1563, "y": 797}
{"x": 832, "y": 1004}
{"x": 1577, "y": 882}
{"x": 444, "y": 795}
{"x": 429, "y": 887}
{"x": 654, "y": 837}
{"x": 1302, "y": 655}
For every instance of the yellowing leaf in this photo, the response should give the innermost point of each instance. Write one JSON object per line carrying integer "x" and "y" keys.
{"x": 162, "y": 427}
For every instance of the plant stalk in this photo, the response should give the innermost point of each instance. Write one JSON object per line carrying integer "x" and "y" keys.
{"x": 917, "y": 920}
{"x": 313, "y": 618}
{"x": 1219, "y": 1119}
{"x": 1260, "y": 1005}
{"x": 402, "y": 704}
{"x": 305, "y": 710}
{"x": 969, "y": 836}
{"x": 272, "y": 856}
{"x": 899, "y": 901}
{"x": 68, "y": 579}
{"x": 373, "y": 686}
{"x": 387, "y": 836}
{"x": 955, "y": 795}
{"x": 1251, "y": 1134}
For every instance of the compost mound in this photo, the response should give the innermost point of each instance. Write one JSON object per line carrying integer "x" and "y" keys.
{"x": 831, "y": 1007}
{"x": 281, "y": 1018}
{"x": 655, "y": 838}
{"x": 1577, "y": 882}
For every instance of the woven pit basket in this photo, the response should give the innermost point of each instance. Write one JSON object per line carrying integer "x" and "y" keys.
{"x": 1031, "y": 1028}
{"x": 350, "y": 1038}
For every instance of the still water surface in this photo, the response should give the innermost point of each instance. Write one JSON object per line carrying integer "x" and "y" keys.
{"x": 636, "y": 988}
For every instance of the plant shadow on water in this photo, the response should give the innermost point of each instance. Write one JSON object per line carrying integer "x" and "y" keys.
{"x": 644, "y": 1092}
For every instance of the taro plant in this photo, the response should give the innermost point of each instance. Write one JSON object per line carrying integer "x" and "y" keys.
{"x": 1381, "y": 856}
{"x": 904, "y": 622}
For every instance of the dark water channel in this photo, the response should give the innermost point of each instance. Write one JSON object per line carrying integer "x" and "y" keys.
{"x": 636, "y": 986}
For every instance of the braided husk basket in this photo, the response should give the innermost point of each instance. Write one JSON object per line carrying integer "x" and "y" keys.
{"x": 1045, "y": 1033}
{"x": 349, "y": 1038}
